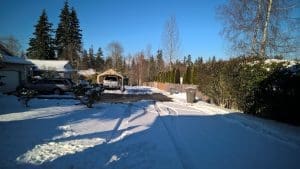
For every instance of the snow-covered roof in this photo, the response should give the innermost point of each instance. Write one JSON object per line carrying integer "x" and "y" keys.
{"x": 14, "y": 60}
{"x": 88, "y": 72}
{"x": 52, "y": 65}
{"x": 110, "y": 72}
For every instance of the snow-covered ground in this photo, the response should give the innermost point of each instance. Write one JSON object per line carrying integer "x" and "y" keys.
{"x": 62, "y": 133}
{"x": 134, "y": 90}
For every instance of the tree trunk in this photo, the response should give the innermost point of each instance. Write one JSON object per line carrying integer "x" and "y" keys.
{"x": 265, "y": 30}
{"x": 257, "y": 23}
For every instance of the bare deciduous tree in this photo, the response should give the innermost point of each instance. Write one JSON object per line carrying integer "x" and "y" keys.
{"x": 115, "y": 50}
{"x": 12, "y": 44}
{"x": 261, "y": 27}
{"x": 171, "y": 41}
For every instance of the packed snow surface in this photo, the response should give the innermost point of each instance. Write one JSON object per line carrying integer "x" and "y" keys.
{"x": 62, "y": 133}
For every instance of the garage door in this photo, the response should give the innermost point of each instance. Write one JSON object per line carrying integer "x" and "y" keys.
{"x": 11, "y": 81}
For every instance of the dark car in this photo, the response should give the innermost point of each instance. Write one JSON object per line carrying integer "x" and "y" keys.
{"x": 56, "y": 86}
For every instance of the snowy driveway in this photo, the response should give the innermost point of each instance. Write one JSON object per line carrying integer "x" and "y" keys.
{"x": 144, "y": 134}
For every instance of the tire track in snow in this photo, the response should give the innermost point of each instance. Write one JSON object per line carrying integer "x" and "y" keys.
{"x": 175, "y": 138}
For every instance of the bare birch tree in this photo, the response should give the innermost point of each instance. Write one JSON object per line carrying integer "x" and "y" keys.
{"x": 260, "y": 27}
{"x": 171, "y": 41}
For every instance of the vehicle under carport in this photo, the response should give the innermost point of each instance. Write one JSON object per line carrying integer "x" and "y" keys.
{"x": 111, "y": 80}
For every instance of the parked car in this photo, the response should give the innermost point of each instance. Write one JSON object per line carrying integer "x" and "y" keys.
{"x": 111, "y": 82}
{"x": 56, "y": 86}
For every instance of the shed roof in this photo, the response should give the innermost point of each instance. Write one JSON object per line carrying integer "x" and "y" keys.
{"x": 110, "y": 72}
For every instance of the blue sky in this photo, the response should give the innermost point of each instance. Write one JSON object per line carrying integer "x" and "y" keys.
{"x": 136, "y": 24}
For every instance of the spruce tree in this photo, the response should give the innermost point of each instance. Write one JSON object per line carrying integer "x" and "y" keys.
{"x": 68, "y": 36}
{"x": 187, "y": 76}
{"x": 91, "y": 58}
{"x": 159, "y": 61}
{"x": 41, "y": 46}
{"x": 99, "y": 61}
{"x": 84, "y": 60}
{"x": 177, "y": 76}
{"x": 75, "y": 35}
{"x": 62, "y": 37}
{"x": 152, "y": 69}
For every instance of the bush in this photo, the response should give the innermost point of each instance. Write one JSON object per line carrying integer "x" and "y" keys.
{"x": 257, "y": 86}
{"x": 249, "y": 84}
{"x": 277, "y": 96}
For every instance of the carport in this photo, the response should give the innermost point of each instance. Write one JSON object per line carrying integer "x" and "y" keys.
{"x": 111, "y": 72}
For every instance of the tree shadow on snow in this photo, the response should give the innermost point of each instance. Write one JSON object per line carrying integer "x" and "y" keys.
{"x": 170, "y": 141}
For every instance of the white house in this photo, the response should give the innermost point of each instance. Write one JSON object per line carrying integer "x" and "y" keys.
{"x": 13, "y": 70}
{"x": 62, "y": 67}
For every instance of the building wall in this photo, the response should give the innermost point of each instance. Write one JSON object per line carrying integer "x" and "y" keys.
{"x": 15, "y": 75}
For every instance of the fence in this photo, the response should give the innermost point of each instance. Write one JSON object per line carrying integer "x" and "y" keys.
{"x": 169, "y": 87}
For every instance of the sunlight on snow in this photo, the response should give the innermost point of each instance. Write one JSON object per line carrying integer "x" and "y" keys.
{"x": 121, "y": 137}
{"x": 67, "y": 132}
{"x": 53, "y": 150}
{"x": 113, "y": 159}
{"x": 50, "y": 112}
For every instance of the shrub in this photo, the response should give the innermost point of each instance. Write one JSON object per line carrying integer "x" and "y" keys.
{"x": 277, "y": 96}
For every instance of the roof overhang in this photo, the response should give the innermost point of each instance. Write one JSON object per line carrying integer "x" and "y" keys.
{"x": 110, "y": 72}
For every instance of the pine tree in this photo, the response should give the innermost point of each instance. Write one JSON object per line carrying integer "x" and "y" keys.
{"x": 177, "y": 76}
{"x": 41, "y": 46}
{"x": 75, "y": 31}
{"x": 91, "y": 58}
{"x": 75, "y": 35}
{"x": 68, "y": 36}
{"x": 189, "y": 60}
{"x": 62, "y": 32}
{"x": 152, "y": 69}
{"x": 160, "y": 61}
{"x": 187, "y": 76}
{"x": 84, "y": 61}
{"x": 99, "y": 61}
